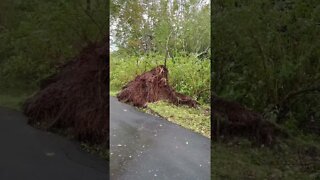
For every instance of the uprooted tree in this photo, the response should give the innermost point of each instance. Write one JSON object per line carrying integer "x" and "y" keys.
{"x": 233, "y": 119}
{"x": 76, "y": 98}
{"x": 153, "y": 86}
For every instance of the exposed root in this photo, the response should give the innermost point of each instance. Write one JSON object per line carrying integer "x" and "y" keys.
{"x": 153, "y": 86}
{"x": 75, "y": 99}
{"x": 232, "y": 119}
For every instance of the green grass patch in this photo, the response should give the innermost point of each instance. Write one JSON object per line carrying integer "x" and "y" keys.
{"x": 293, "y": 159}
{"x": 196, "y": 119}
{"x": 14, "y": 101}
{"x": 113, "y": 93}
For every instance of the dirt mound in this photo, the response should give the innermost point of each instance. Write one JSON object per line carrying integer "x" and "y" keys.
{"x": 153, "y": 86}
{"x": 75, "y": 99}
{"x": 232, "y": 119}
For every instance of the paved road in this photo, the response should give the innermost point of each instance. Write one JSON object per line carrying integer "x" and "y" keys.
{"x": 147, "y": 147}
{"x": 28, "y": 153}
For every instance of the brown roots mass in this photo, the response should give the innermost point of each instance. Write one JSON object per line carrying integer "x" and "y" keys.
{"x": 75, "y": 99}
{"x": 153, "y": 86}
{"x": 233, "y": 119}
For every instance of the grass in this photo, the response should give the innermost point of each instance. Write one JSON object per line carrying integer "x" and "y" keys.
{"x": 295, "y": 158}
{"x": 113, "y": 93}
{"x": 196, "y": 119}
{"x": 13, "y": 101}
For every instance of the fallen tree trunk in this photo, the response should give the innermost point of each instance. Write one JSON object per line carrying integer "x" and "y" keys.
{"x": 153, "y": 86}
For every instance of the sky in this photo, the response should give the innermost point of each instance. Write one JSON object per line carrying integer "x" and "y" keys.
{"x": 113, "y": 46}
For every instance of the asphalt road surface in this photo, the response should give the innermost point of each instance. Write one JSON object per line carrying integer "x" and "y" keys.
{"x": 145, "y": 147}
{"x": 28, "y": 153}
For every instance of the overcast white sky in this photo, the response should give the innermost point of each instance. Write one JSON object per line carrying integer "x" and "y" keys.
{"x": 112, "y": 37}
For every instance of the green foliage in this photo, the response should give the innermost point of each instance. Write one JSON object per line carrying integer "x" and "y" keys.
{"x": 266, "y": 50}
{"x": 187, "y": 74}
{"x": 35, "y": 37}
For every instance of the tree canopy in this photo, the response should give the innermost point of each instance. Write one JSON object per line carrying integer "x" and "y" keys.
{"x": 166, "y": 27}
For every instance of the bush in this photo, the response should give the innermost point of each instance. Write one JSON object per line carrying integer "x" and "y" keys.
{"x": 36, "y": 37}
{"x": 187, "y": 74}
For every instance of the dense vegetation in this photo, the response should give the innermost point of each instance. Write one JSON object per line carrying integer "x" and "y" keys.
{"x": 38, "y": 36}
{"x": 187, "y": 74}
{"x": 266, "y": 56}
{"x": 265, "y": 52}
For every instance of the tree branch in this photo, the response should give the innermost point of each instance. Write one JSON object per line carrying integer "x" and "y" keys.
{"x": 93, "y": 20}
{"x": 167, "y": 50}
{"x": 203, "y": 52}
{"x": 284, "y": 104}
